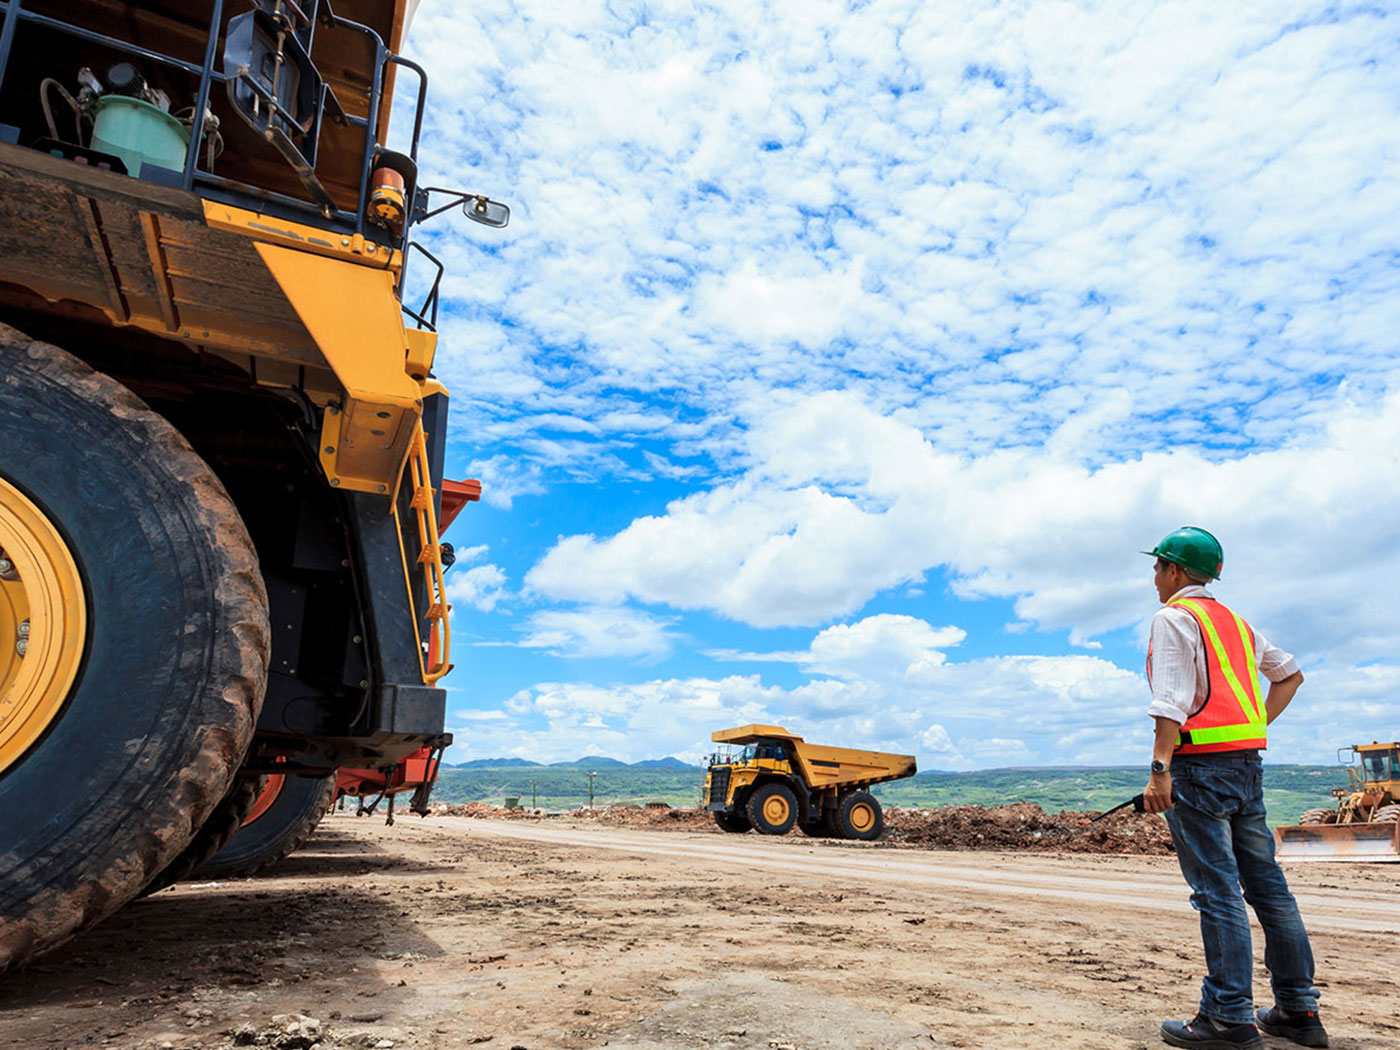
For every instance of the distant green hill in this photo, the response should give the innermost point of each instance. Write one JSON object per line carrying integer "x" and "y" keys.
{"x": 1288, "y": 790}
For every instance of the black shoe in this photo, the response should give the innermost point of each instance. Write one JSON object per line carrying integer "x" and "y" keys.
{"x": 1205, "y": 1033}
{"x": 1305, "y": 1029}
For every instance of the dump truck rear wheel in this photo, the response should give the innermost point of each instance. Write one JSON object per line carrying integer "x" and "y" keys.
{"x": 134, "y": 754}
{"x": 1386, "y": 814}
{"x": 772, "y": 809}
{"x": 858, "y": 816}
{"x": 228, "y": 816}
{"x": 1318, "y": 816}
{"x": 735, "y": 823}
{"x": 276, "y": 832}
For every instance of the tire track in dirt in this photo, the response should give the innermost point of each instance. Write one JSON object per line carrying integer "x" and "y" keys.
{"x": 1351, "y": 910}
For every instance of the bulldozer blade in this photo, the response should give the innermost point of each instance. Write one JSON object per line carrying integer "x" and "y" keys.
{"x": 1374, "y": 843}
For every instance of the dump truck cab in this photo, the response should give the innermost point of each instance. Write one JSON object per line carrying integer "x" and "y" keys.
{"x": 769, "y": 780}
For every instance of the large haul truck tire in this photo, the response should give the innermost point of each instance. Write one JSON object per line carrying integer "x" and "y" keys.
{"x": 772, "y": 809}
{"x": 276, "y": 829}
{"x": 228, "y": 816}
{"x": 123, "y": 723}
{"x": 735, "y": 823}
{"x": 858, "y": 816}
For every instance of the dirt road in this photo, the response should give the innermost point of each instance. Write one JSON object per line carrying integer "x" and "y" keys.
{"x": 538, "y": 934}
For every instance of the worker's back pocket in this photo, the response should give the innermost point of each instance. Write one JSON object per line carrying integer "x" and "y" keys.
{"x": 1217, "y": 791}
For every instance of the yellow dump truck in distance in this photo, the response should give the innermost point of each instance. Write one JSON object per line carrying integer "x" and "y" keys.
{"x": 776, "y": 780}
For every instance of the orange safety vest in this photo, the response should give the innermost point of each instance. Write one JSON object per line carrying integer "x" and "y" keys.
{"x": 1233, "y": 717}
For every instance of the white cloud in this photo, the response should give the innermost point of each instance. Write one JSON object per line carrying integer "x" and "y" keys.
{"x": 600, "y": 631}
{"x": 842, "y": 503}
{"x": 481, "y": 586}
{"x": 874, "y": 648}
{"x": 993, "y": 216}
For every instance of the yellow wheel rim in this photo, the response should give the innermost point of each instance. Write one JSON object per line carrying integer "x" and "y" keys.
{"x": 43, "y": 623}
{"x": 862, "y": 816}
{"x": 776, "y": 809}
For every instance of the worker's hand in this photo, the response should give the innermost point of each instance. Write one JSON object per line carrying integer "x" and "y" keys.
{"x": 1157, "y": 796}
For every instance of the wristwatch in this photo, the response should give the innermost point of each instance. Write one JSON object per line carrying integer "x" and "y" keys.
{"x": 1158, "y": 766}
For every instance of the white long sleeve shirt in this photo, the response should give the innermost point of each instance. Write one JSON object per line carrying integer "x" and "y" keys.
{"x": 1178, "y": 660}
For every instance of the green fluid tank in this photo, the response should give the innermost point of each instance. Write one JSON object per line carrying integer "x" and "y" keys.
{"x": 139, "y": 133}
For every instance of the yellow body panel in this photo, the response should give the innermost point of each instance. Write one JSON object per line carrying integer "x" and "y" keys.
{"x": 352, "y": 313}
{"x": 349, "y": 248}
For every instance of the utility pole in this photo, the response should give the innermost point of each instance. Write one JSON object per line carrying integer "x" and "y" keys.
{"x": 591, "y": 775}
{"x": 534, "y": 795}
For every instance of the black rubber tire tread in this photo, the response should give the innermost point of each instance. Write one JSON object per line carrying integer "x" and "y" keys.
{"x": 278, "y": 832}
{"x": 843, "y": 817}
{"x": 1387, "y": 814}
{"x": 735, "y": 823}
{"x": 762, "y": 794}
{"x": 161, "y": 715}
{"x": 222, "y": 825}
{"x": 1320, "y": 815}
{"x": 831, "y": 823}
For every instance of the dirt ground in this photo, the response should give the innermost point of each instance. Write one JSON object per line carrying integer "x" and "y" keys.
{"x": 564, "y": 933}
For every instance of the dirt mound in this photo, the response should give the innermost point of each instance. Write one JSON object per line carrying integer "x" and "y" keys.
{"x": 481, "y": 811}
{"x": 1023, "y": 826}
{"x": 687, "y": 819}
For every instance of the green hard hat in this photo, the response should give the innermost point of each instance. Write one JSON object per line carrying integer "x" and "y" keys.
{"x": 1193, "y": 549}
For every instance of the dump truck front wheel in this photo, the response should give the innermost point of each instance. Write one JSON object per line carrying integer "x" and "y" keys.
{"x": 735, "y": 823}
{"x": 858, "y": 816}
{"x": 772, "y": 809}
{"x": 125, "y": 758}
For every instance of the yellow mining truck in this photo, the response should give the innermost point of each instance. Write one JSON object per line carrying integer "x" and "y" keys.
{"x": 770, "y": 780}
{"x": 1364, "y": 825}
{"x": 221, "y": 441}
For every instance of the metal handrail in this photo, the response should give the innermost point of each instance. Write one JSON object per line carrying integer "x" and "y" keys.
{"x": 192, "y": 175}
{"x": 425, "y": 315}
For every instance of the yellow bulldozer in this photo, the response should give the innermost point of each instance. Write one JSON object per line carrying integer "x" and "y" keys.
{"x": 769, "y": 780}
{"x": 221, "y": 440}
{"x": 1364, "y": 825}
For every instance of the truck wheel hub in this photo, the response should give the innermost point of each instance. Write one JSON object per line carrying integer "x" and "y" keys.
{"x": 775, "y": 809}
{"x": 862, "y": 817}
{"x": 43, "y": 623}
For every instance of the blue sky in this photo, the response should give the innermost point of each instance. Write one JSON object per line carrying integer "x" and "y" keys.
{"x": 840, "y": 358}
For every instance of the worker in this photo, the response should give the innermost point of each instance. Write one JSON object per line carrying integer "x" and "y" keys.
{"x": 1203, "y": 666}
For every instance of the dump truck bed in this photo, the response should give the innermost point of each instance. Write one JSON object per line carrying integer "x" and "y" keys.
{"x": 821, "y": 766}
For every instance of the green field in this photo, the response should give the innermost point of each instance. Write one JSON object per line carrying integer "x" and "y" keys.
{"x": 1288, "y": 790}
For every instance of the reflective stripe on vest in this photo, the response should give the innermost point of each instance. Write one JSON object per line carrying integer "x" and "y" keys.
{"x": 1220, "y": 725}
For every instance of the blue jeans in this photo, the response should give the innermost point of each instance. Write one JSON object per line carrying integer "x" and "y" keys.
{"x": 1224, "y": 846}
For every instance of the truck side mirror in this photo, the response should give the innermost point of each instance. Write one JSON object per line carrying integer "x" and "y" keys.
{"x": 486, "y": 211}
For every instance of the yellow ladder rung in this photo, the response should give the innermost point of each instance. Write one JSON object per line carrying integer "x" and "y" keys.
{"x": 437, "y": 612}
{"x": 422, "y": 498}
